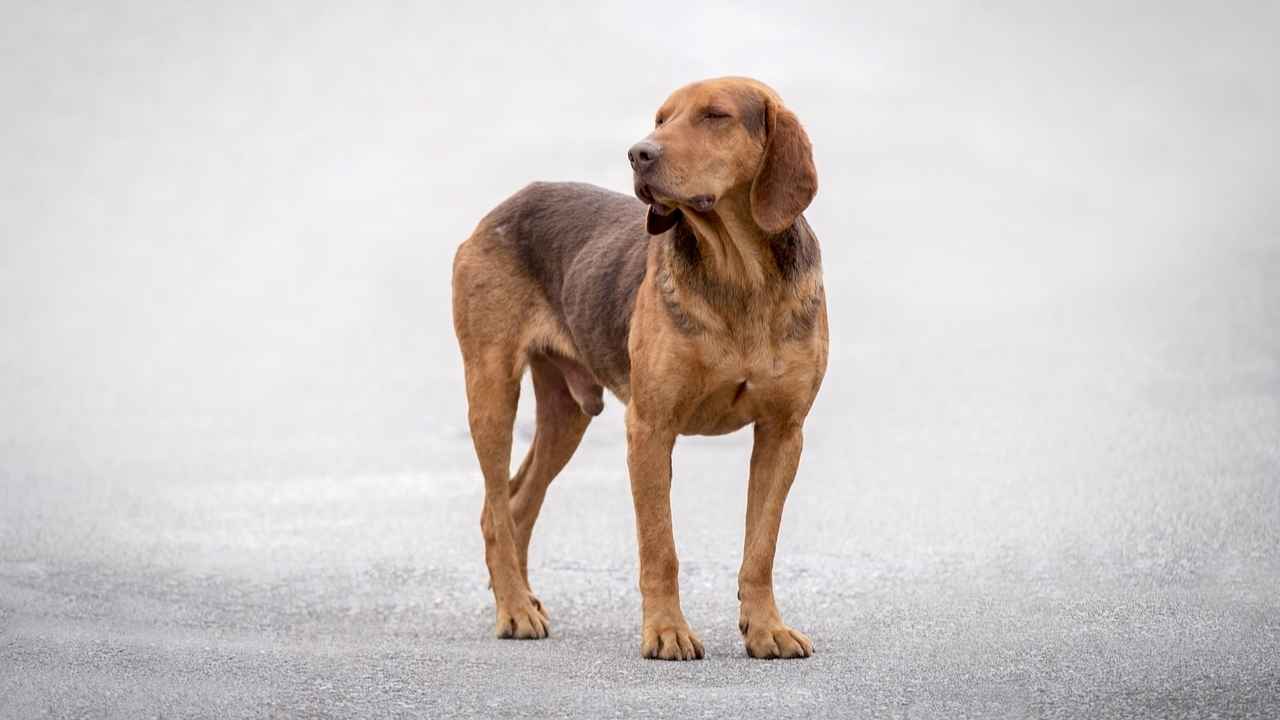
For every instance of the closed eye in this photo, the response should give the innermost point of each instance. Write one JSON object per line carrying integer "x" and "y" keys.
{"x": 714, "y": 114}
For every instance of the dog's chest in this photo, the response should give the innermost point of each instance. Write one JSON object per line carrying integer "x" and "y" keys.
{"x": 740, "y": 389}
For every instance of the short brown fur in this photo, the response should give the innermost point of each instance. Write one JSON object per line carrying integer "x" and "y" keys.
{"x": 704, "y": 314}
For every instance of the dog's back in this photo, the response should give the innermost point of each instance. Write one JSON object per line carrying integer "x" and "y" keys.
{"x": 579, "y": 249}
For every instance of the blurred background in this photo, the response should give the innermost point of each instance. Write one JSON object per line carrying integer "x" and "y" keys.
{"x": 1051, "y": 242}
{"x": 228, "y": 232}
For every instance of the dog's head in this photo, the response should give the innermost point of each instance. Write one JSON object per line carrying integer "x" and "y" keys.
{"x": 720, "y": 138}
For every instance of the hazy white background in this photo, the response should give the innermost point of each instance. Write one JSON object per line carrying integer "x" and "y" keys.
{"x": 227, "y": 230}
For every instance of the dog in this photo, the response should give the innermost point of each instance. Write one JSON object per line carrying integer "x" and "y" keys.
{"x": 700, "y": 306}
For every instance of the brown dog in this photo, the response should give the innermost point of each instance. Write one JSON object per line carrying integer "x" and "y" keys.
{"x": 704, "y": 314}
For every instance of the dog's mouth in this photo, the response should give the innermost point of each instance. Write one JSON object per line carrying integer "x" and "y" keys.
{"x": 645, "y": 192}
{"x": 662, "y": 216}
{"x": 664, "y": 203}
{"x": 660, "y": 209}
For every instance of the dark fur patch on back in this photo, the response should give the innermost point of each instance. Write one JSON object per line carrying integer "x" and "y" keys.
{"x": 585, "y": 248}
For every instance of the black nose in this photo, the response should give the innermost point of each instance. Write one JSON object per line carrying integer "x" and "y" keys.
{"x": 643, "y": 155}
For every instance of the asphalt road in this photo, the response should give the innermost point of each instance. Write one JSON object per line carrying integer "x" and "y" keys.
{"x": 1065, "y": 513}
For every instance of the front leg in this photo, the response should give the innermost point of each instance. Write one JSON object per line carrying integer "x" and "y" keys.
{"x": 773, "y": 467}
{"x": 665, "y": 635}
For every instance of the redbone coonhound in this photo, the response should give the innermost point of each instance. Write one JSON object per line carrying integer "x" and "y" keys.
{"x": 701, "y": 307}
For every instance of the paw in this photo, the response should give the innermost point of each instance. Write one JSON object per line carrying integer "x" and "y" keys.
{"x": 769, "y": 640}
{"x": 524, "y": 619}
{"x": 670, "y": 641}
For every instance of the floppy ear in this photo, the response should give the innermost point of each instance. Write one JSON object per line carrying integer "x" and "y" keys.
{"x": 787, "y": 180}
{"x": 656, "y": 223}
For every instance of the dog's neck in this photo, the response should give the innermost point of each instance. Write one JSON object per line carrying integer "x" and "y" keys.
{"x": 732, "y": 249}
{"x": 696, "y": 274}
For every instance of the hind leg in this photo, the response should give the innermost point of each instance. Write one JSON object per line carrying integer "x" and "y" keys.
{"x": 561, "y": 423}
{"x": 493, "y": 389}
